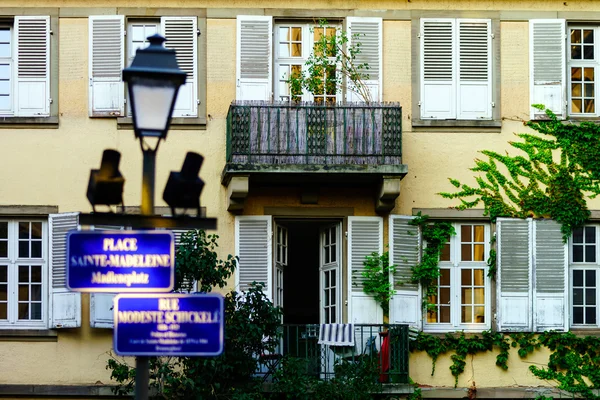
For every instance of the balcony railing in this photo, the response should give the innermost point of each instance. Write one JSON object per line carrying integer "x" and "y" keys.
{"x": 385, "y": 346}
{"x": 311, "y": 133}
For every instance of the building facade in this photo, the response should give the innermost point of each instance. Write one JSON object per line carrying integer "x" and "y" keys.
{"x": 302, "y": 194}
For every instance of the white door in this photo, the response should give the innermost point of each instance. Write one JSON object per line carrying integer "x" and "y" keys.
{"x": 330, "y": 292}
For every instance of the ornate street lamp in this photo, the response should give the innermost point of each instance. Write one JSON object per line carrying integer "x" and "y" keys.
{"x": 153, "y": 81}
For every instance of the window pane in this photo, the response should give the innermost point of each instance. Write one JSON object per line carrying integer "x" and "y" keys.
{"x": 577, "y": 253}
{"x": 3, "y": 311}
{"x": 445, "y": 277}
{"x": 333, "y": 257}
{"x": 576, "y": 52}
{"x": 465, "y": 277}
{"x": 36, "y": 273}
{"x": 588, "y": 36}
{"x": 588, "y": 74}
{"x": 578, "y": 297}
{"x": 590, "y": 297}
{"x": 588, "y": 52}
{"x": 36, "y": 230}
{"x": 577, "y": 278}
{"x": 575, "y": 35}
{"x": 479, "y": 277}
{"x": 576, "y": 74}
{"x": 444, "y": 314}
{"x": 23, "y": 273}
{"x": 3, "y": 273}
{"x": 465, "y": 233}
{"x": 479, "y": 296}
{"x": 466, "y": 316}
{"x": 36, "y": 249}
{"x": 578, "y": 315}
{"x": 23, "y": 310}
{"x": 445, "y": 254}
{"x": 23, "y": 230}
{"x": 36, "y": 292}
{"x": 589, "y": 105}
{"x": 23, "y": 292}
{"x": 465, "y": 252}
{"x": 432, "y": 317}
{"x": 590, "y": 278}
{"x": 444, "y": 295}
{"x": 3, "y": 230}
{"x": 590, "y": 253}
{"x": 36, "y": 311}
{"x": 576, "y": 105}
{"x": 590, "y": 315}
{"x": 4, "y": 249}
{"x": 589, "y": 90}
{"x": 3, "y": 292}
{"x": 23, "y": 249}
{"x": 479, "y": 233}
{"x": 576, "y": 89}
{"x": 466, "y": 296}
{"x": 478, "y": 252}
{"x": 480, "y": 315}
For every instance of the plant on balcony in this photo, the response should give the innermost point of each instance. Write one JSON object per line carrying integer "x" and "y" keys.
{"x": 377, "y": 279}
{"x": 252, "y": 323}
{"x": 333, "y": 61}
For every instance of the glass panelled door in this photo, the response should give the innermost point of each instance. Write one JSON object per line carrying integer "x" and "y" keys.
{"x": 330, "y": 274}
{"x": 281, "y": 261}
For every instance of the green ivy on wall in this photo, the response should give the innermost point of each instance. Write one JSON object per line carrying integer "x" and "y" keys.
{"x": 574, "y": 361}
{"x": 427, "y": 272}
{"x": 557, "y": 169}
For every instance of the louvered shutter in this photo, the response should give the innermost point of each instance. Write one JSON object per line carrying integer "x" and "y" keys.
{"x": 253, "y": 247}
{"x": 181, "y": 35}
{"x": 186, "y": 284}
{"x": 438, "y": 80}
{"x": 404, "y": 253}
{"x": 474, "y": 69}
{"x": 550, "y": 310}
{"x": 66, "y": 305}
{"x": 365, "y": 236}
{"x": 514, "y": 259}
{"x": 254, "y": 57}
{"x": 107, "y": 54}
{"x": 369, "y": 35}
{"x": 32, "y": 87}
{"x": 547, "y": 60}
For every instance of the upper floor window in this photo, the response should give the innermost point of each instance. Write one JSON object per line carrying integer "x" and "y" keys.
{"x": 111, "y": 50}
{"x": 462, "y": 300}
{"x": 584, "y": 276}
{"x": 582, "y": 68}
{"x": 269, "y": 53}
{"x": 23, "y": 269}
{"x": 25, "y": 67}
{"x": 456, "y": 69}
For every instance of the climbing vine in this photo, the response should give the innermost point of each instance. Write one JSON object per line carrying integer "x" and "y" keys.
{"x": 427, "y": 272}
{"x": 557, "y": 169}
{"x": 574, "y": 362}
{"x": 377, "y": 279}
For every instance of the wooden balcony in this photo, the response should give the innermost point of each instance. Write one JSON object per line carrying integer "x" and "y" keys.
{"x": 311, "y": 143}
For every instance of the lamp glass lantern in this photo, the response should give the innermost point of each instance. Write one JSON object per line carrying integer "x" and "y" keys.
{"x": 153, "y": 81}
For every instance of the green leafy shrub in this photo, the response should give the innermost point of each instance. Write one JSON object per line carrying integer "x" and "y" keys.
{"x": 377, "y": 279}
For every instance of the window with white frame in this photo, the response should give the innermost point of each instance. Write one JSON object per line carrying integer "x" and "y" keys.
{"x": 111, "y": 50}
{"x": 582, "y": 67}
{"x": 584, "y": 274}
{"x": 456, "y": 69}
{"x": 269, "y": 52}
{"x": 462, "y": 300}
{"x": 25, "y": 67}
{"x": 295, "y": 42}
{"x": 23, "y": 269}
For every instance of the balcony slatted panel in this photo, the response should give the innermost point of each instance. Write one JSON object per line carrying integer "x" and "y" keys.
{"x": 307, "y": 133}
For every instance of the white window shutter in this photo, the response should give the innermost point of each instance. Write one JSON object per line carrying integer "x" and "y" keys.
{"x": 101, "y": 310}
{"x": 474, "y": 69}
{"x": 514, "y": 259}
{"x": 550, "y": 305}
{"x": 254, "y": 71}
{"x": 369, "y": 31}
{"x": 253, "y": 236}
{"x": 32, "y": 87}
{"x": 404, "y": 253}
{"x": 365, "y": 236}
{"x": 182, "y": 36}
{"x": 547, "y": 61}
{"x": 66, "y": 305}
{"x": 438, "y": 72}
{"x": 106, "y": 62}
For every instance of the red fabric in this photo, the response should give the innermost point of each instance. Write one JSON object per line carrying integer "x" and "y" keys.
{"x": 384, "y": 359}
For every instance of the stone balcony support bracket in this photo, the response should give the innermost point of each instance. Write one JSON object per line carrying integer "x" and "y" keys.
{"x": 389, "y": 190}
{"x": 237, "y": 191}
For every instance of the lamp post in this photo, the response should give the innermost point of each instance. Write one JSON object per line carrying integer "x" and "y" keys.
{"x": 153, "y": 81}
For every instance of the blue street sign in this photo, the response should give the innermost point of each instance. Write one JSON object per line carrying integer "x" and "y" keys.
{"x": 172, "y": 324}
{"x": 120, "y": 261}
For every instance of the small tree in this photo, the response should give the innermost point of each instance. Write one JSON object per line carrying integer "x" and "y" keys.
{"x": 251, "y": 328}
{"x": 333, "y": 61}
